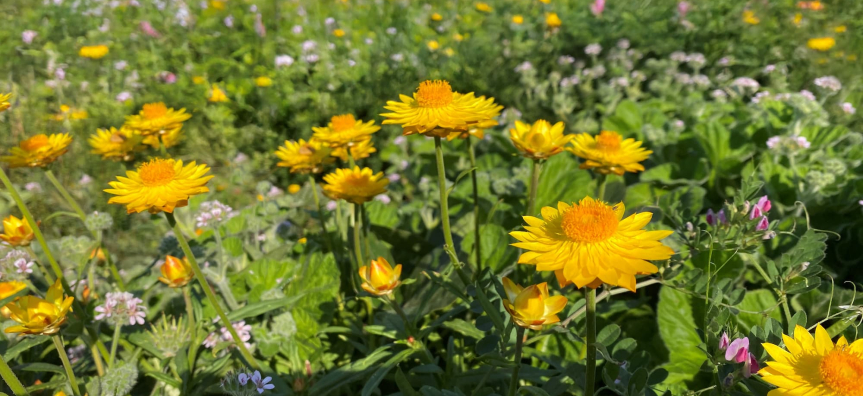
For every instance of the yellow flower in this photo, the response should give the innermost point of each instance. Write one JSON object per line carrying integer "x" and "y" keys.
{"x": 750, "y": 18}
{"x": 168, "y": 138}
{"x": 483, "y": 7}
{"x": 798, "y": 17}
{"x": 517, "y": 19}
{"x": 345, "y": 130}
{"x": 358, "y": 151}
{"x": 354, "y": 185}
{"x": 38, "y": 151}
{"x": 609, "y": 153}
{"x": 814, "y": 365}
{"x": 540, "y": 140}
{"x": 263, "y": 81}
{"x": 433, "y": 45}
{"x": 16, "y": 232}
{"x": 458, "y": 37}
{"x": 9, "y": 289}
{"x": 304, "y": 157}
{"x": 531, "y": 307}
{"x": 821, "y": 43}
{"x": 552, "y": 20}
{"x": 851, "y": 58}
{"x": 93, "y": 51}
{"x": 116, "y": 144}
{"x": 303, "y": 241}
{"x": 449, "y": 51}
{"x": 837, "y": 29}
{"x": 380, "y": 278}
{"x": 38, "y": 316}
{"x": 217, "y": 4}
{"x": 545, "y": 1}
{"x": 156, "y": 118}
{"x": 294, "y": 188}
{"x": 159, "y": 185}
{"x": 176, "y": 272}
{"x": 339, "y": 33}
{"x": 198, "y": 80}
{"x": 437, "y": 17}
{"x": 217, "y": 95}
{"x": 68, "y": 112}
{"x": 477, "y": 131}
{"x": 589, "y": 244}
{"x": 435, "y": 110}
{"x": 4, "y": 101}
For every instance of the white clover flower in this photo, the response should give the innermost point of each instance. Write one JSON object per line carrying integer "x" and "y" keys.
{"x": 769, "y": 69}
{"x": 622, "y": 82}
{"x": 696, "y": 60}
{"x": 683, "y": 78}
{"x": 565, "y": 60}
{"x": 808, "y": 95}
{"x": 718, "y": 94}
{"x": 593, "y": 49}
{"x": 701, "y": 80}
{"x": 758, "y": 96}
{"x": 329, "y": 21}
{"x": 623, "y": 44}
{"x": 213, "y": 213}
{"x": 678, "y": 56}
{"x": 569, "y": 81}
{"x": 122, "y": 307}
{"x": 745, "y": 82}
{"x": 311, "y": 58}
{"x": 284, "y": 61}
{"x": 829, "y": 83}
{"x": 524, "y": 66}
{"x": 391, "y": 31}
{"x": 297, "y": 29}
{"x": 309, "y": 45}
{"x": 848, "y": 108}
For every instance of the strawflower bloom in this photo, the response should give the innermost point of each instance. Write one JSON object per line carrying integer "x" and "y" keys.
{"x": 93, "y": 51}
{"x": 540, "y": 140}
{"x": 217, "y": 95}
{"x": 380, "y": 278}
{"x": 354, "y": 185}
{"x": 358, "y": 151}
{"x": 304, "y": 157}
{"x": 157, "y": 119}
{"x": 263, "y": 81}
{"x": 483, "y": 7}
{"x": 168, "y": 138}
{"x": 4, "y": 101}
{"x": 750, "y": 18}
{"x": 821, "y": 43}
{"x": 814, "y": 365}
{"x": 588, "y": 244}
{"x": 16, "y": 232}
{"x": 121, "y": 308}
{"x": 552, "y": 21}
{"x": 38, "y": 151}
{"x": 176, "y": 272}
{"x": 115, "y": 144}
{"x": 159, "y": 185}
{"x": 608, "y": 153}
{"x": 38, "y": 316}
{"x": 345, "y": 130}
{"x": 9, "y": 289}
{"x": 531, "y": 306}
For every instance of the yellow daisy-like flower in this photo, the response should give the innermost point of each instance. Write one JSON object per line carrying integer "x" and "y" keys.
{"x": 436, "y": 17}
{"x": 339, "y": 33}
{"x": 93, "y": 51}
{"x": 588, "y": 244}
{"x": 38, "y": 151}
{"x": 169, "y": 138}
{"x": 433, "y": 45}
{"x": 517, "y": 19}
{"x": 540, "y": 140}
{"x": 840, "y": 29}
{"x": 294, "y": 188}
{"x": 9, "y": 289}
{"x": 304, "y": 157}
{"x": 115, "y": 144}
{"x": 435, "y": 110}
{"x": 531, "y": 307}
{"x": 821, "y": 43}
{"x": 798, "y": 17}
{"x": 477, "y": 131}
{"x": 358, "y": 151}
{"x": 176, "y": 272}
{"x": 38, "y": 316}
{"x": 16, "y": 232}
{"x": 380, "y": 278}
{"x": 354, "y": 185}
{"x": 157, "y": 119}
{"x": 608, "y": 153}
{"x": 345, "y": 130}
{"x": 814, "y": 365}
{"x": 159, "y": 186}
{"x": 750, "y": 18}
{"x": 67, "y": 112}
{"x": 217, "y": 95}
{"x": 198, "y": 80}
{"x": 4, "y": 101}
{"x": 552, "y": 20}
{"x": 483, "y": 7}
{"x": 263, "y": 81}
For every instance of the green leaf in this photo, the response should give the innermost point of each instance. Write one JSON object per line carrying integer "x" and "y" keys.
{"x": 677, "y": 330}
{"x": 608, "y": 335}
{"x": 561, "y": 180}
{"x": 532, "y": 390}
{"x": 164, "y": 378}
{"x": 458, "y": 178}
{"x": 265, "y": 306}
{"x": 40, "y": 367}
{"x": 233, "y": 245}
{"x": 405, "y": 385}
{"x": 810, "y": 248}
{"x": 381, "y": 372}
{"x": 492, "y": 312}
{"x": 24, "y": 345}
{"x": 758, "y": 301}
{"x": 348, "y": 373}
{"x": 465, "y": 328}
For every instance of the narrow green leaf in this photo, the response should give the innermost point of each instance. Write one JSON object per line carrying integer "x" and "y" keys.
{"x": 382, "y": 371}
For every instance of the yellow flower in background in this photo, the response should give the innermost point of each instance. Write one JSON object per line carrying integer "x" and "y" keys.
{"x": 458, "y": 37}
{"x": 358, "y": 150}
{"x": 483, "y": 7}
{"x": 540, "y": 140}
{"x": 477, "y": 131}
{"x": 433, "y": 45}
{"x": 38, "y": 151}
{"x": 840, "y": 29}
{"x": 588, "y": 244}
{"x": 217, "y": 4}
{"x": 156, "y": 118}
{"x": 608, "y": 153}
{"x": 217, "y": 95}
{"x": 67, "y": 112}
{"x": 159, "y": 185}
{"x": 38, "y": 316}
{"x": 93, "y": 51}
{"x": 9, "y": 289}
{"x": 814, "y": 365}
{"x": 176, "y": 272}
{"x": 821, "y": 43}
{"x": 198, "y": 80}
{"x": 115, "y": 144}
{"x": 304, "y": 157}
{"x": 531, "y": 307}
{"x": 449, "y": 51}
{"x": 345, "y": 130}
{"x": 517, "y": 19}
{"x": 354, "y": 185}
{"x": 435, "y": 110}
{"x": 851, "y": 58}
{"x": 437, "y": 17}
{"x": 294, "y": 188}
{"x": 339, "y": 33}
{"x": 303, "y": 241}
{"x": 16, "y": 232}
{"x": 169, "y": 138}
{"x": 798, "y": 17}
{"x": 263, "y": 81}
{"x": 552, "y": 20}
{"x": 380, "y": 278}
{"x": 4, "y": 101}
{"x": 750, "y": 18}
{"x": 545, "y": 1}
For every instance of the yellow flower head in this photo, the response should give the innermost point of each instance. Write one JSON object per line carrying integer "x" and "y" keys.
{"x": 552, "y": 20}
{"x": 339, "y": 33}
{"x": 345, "y": 130}
{"x": 198, "y": 80}
{"x": 116, "y": 144}
{"x": 517, "y": 19}
{"x": 477, "y": 131}
{"x": 380, "y": 278}
{"x": 67, "y": 112}
{"x": 4, "y": 101}
{"x": 294, "y": 188}
{"x": 263, "y": 81}
{"x": 9, "y": 289}
{"x": 840, "y": 29}
{"x": 608, "y": 153}
{"x": 168, "y": 138}
{"x": 176, "y": 272}
{"x": 304, "y": 157}
{"x": 815, "y": 365}
{"x": 93, "y": 51}
{"x": 750, "y": 18}
{"x": 159, "y": 186}
{"x": 531, "y": 307}
{"x": 354, "y": 185}
{"x": 38, "y": 316}
{"x": 458, "y": 37}
{"x": 589, "y": 244}
{"x": 303, "y": 241}
{"x": 798, "y": 17}
{"x": 435, "y": 110}
{"x": 358, "y": 151}
{"x": 449, "y": 51}
{"x": 540, "y": 140}
{"x": 157, "y": 119}
{"x": 38, "y": 151}
{"x": 545, "y": 1}
{"x": 16, "y": 232}
{"x": 437, "y": 17}
{"x": 821, "y": 43}
{"x": 483, "y": 7}
{"x": 217, "y": 95}
{"x": 433, "y": 45}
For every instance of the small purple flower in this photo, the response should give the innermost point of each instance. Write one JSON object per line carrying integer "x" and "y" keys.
{"x": 597, "y": 7}
{"x": 243, "y": 379}
{"x": 394, "y": 177}
{"x": 738, "y": 350}
{"x": 120, "y": 65}
{"x": 593, "y": 49}
{"x": 284, "y": 61}
{"x": 848, "y": 108}
{"x": 27, "y": 36}
{"x": 724, "y": 341}
{"x": 229, "y": 21}
{"x": 297, "y": 29}
{"x": 332, "y": 205}
{"x": 763, "y": 224}
{"x": 168, "y": 77}
{"x": 720, "y": 217}
{"x": 148, "y": 29}
{"x": 123, "y": 96}
{"x": 383, "y": 198}
{"x": 683, "y": 8}
{"x": 808, "y": 95}
{"x": 60, "y": 74}
{"x": 710, "y": 217}
{"x": 261, "y": 384}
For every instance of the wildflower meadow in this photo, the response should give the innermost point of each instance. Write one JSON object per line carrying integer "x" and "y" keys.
{"x": 435, "y": 198}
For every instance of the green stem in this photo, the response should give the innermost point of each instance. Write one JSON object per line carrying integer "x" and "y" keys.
{"x": 358, "y": 249}
{"x": 97, "y": 358}
{"x": 409, "y": 327}
{"x": 114, "y": 342}
{"x": 590, "y": 358}
{"x": 190, "y": 311}
{"x": 534, "y": 186}
{"x": 519, "y": 342}
{"x": 11, "y": 379}
{"x": 209, "y": 292}
{"x": 45, "y": 272}
{"x": 780, "y": 295}
{"x": 321, "y": 214}
{"x": 449, "y": 248}
{"x": 113, "y": 267}
{"x": 68, "y": 197}
{"x": 61, "y": 350}
{"x": 366, "y": 231}
{"x": 476, "y": 235}
{"x": 600, "y": 186}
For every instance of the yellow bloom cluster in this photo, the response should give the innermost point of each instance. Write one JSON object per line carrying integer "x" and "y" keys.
{"x": 156, "y": 125}
{"x": 38, "y": 151}
{"x": 40, "y": 316}
{"x": 93, "y": 51}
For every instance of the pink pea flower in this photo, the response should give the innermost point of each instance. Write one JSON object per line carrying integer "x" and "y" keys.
{"x": 738, "y": 350}
{"x": 750, "y": 366}
{"x": 683, "y": 8}
{"x": 27, "y": 36}
{"x": 720, "y": 217}
{"x": 724, "y": 341}
{"x": 763, "y": 224}
{"x": 597, "y": 7}
{"x": 764, "y": 204}
{"x": 260, "y": 29}
{"x": 148, "y": 29}
{"x": 756, "y": 213}
{"x": 710, "y": 217}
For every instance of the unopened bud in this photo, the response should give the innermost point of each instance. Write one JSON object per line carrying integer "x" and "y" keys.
{"x": 308, "y": 368}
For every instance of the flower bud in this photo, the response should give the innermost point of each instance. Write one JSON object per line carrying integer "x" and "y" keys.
{"x": 724, "y": 341}
{"x": 763, "y": 224}
{"x": 99, "y": 221}
{"x": 710, "y": 217}
{"x": 756, "y": 213}
{"x": 764, "y": 204}
{"x": 176, "y": 272}
{"x": 531, "y": 307}
{"x": 380, "y": 278}
{"x": 720, "y": 218}
{"x": 750, "y": 366}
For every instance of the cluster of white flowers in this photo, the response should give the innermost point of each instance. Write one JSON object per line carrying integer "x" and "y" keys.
{"x": 787, "y": 142}
{"x": 593, "y": 49}
{"x": 122, "y": 307}
{"x": 678, "y": 56}
{"x": 696, "y": 60}
{"x": 746, "y": 83}
{"x": 829, "y": 83}
{"x": 243, "y": 330}
{"x": 569, "y": 81}
{"x": 848, "y": 108}
{"x": 212, "y": 213}
{"x": 16, "y": 265}
{"x": 565, "y": 60}
{"x": 524, "y": 66}
{"x": 284, "y": 61}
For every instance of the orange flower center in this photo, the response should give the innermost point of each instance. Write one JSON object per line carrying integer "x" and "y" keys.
{"x": 343, "y": 122}
{"x": 437, "y": 93}
{"x": 35, "y": 142}
{"x": 589, "y": 222}
{"x": 152, "y": 111}
{"x": 118, "y": 137}
{"x": 157, "y": 172}
{"x": 608, "y": 141}
{"x": 306, "y": 149}
{"x": 841, "y": 370}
